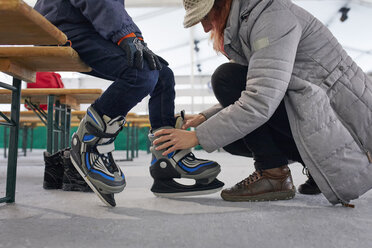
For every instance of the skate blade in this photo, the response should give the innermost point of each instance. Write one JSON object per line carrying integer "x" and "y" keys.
{"x": 89, "y": 183}
{"x": 190, "y": 193}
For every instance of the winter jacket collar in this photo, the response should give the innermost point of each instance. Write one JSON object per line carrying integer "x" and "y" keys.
{"x": 242, "y": 13}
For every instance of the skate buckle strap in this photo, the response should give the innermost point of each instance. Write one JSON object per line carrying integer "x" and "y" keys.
{"x": 106, "y": 148}
{"x": 180, "y": 118}
{"x": 94, "y": 131}
{"x": 181, "y": 154}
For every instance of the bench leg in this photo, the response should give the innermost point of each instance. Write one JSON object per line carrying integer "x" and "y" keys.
{"x": 56, "y": 126}
{"x": 68, "y": 126}
{"x": 136, "y": 141}
{"x": 148, "y": 143}
{"x": 128, "y": 138}
{"x": 5, "y": 141}
{"x": 24, "y": 140}
{"x": 13, "y": 143}
{"x": 128, "y": 146}
{"x": 32, "y": 139}
{"x": 132, "y": 138}
{"x": 50, "y": 124}
{"x": 63, "y": 125}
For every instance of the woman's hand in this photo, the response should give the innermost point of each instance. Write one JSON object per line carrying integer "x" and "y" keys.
{"x": 193, "y": 121}
{"x": 175, "y": 139}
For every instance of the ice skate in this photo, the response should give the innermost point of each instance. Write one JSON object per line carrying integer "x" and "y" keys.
{"x": 182, "y": 164}
{"x": 91, "y": 154}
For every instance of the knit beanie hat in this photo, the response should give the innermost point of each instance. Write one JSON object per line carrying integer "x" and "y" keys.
{"x": 196, "y": 10}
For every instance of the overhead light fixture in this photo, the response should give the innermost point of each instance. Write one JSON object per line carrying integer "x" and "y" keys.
{"x": 344, "y": 11}
{"x": 196, "y": 47}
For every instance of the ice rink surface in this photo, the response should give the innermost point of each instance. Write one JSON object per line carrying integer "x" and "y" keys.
{"x": 54, "y": 218}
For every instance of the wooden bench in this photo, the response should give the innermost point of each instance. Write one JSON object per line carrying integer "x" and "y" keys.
{"x": 57, "y": 118}
{"x": 70, "y": 97}
{"x": 21, "y": 25}
{"x": 29, "y": 120}
{"x": 24, "y": 62}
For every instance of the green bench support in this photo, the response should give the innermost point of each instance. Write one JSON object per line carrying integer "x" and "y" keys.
{"x": 13, "y": 123}
{"x": 58, "y": 123}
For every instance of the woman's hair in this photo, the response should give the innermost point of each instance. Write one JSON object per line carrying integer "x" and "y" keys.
{"x": 219, "y": 14}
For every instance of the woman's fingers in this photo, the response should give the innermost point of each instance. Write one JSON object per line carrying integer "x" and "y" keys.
{"x": 190, "y": 123}
{"x": 161, "y": 139}
{"x": 174, "y": 139}
{"x": 165, "y": 139}
{"x": 168, "y": 144}
{"x": 165, "y": 145}
{"x": 171, "y": 149}
{"x": 188, "y": 117}
{"x": 187, "y": 125}
{"x": 164, "y": 131}
{"x": 194, "y": 121}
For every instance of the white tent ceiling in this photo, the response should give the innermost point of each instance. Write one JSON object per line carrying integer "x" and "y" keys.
{"x": 139, "y": 3}
{"x": 178, "y": 3}
{"x": 162, "y": 28}
{"x": 161, "y": 24}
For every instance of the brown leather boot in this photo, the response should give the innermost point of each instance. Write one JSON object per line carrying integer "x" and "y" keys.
{"x": 267, "y": 185}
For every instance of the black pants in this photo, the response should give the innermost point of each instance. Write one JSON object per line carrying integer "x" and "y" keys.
{"x": 271, "y": 145}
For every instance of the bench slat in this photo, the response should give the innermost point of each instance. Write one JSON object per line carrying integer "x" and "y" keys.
{"x": 40, "y": 95}
{"x": 43, "y": 58}
{"x": 16, "y": 18}
{"x": 13, "y": 69}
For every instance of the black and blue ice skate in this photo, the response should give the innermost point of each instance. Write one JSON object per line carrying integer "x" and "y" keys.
{"x": 91, "y": 154}
{"x": 182, "y": 164}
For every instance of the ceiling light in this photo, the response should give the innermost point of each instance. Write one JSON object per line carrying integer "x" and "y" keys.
{"x": 344, "y": 11}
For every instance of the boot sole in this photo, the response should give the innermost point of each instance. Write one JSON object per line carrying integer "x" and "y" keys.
{"x": 271, "y": 196}
{"x": 89, "y": 183}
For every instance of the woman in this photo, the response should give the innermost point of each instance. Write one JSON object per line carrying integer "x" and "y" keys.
{"x": 292, "y": 93}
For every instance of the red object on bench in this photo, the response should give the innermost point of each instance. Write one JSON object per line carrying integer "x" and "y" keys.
{"x": 46, "y": 80}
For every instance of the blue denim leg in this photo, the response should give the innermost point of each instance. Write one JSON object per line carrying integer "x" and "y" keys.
{"x": 161, "y": 103}
{"x": 130, "y": 85}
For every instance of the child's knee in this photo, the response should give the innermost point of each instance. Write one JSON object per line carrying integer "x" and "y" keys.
{"x": 167, "y": 76}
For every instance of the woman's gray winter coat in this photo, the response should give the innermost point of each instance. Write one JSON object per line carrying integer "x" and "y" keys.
{"x": 292, "y": 55}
